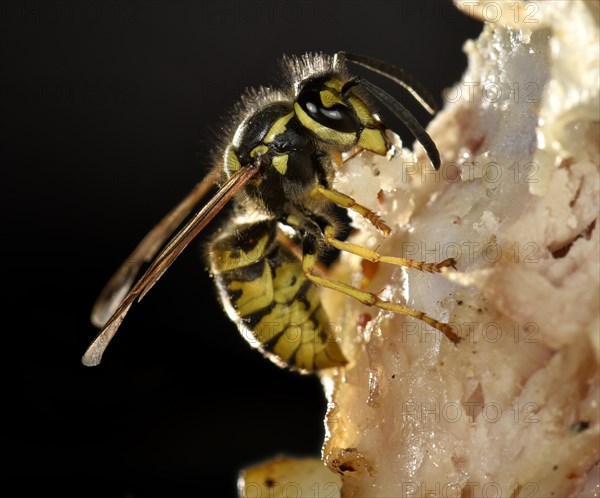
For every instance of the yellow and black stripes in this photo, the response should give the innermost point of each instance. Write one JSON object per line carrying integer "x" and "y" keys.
{"x": 264, "y": 290}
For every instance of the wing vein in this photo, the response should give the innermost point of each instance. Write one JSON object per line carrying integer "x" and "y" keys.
{"x": 166, "y": 257}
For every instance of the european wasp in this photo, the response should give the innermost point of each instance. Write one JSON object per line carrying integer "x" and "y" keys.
{"x": 277, "y": 165}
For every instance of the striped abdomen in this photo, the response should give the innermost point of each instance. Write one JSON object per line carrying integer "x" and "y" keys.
{"x": 264, "y": 291}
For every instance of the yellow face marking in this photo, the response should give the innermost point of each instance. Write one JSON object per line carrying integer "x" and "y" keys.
{"x": 256, "y": 294}
{"x": 361, "y": 110}
{"x": 259, "y": 150}
{"x": 280, "y": 163}
{"x": 324, "y": 133}
{"x": 329, "y": 98}
{"x": 373, "y": 140}
{"x": 336, "y": 84}
{"x": 278, "y": 128}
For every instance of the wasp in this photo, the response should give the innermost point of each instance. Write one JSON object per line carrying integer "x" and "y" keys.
{"x": 277, "y": 165}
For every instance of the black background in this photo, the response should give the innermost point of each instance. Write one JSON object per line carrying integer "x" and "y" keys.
{"x": 108, "y": 112}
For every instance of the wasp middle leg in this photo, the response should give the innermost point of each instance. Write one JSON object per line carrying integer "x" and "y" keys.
{"x": 310, "y": 249}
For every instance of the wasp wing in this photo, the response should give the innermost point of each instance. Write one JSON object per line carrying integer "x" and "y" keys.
{"x": 173, "y": 249}
{"x": 121, "y": 282}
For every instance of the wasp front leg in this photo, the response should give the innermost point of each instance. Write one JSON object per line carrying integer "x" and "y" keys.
{"x": 348, "y": 202}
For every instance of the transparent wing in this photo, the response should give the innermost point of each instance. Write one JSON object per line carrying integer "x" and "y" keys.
{"x": 121, "y": 282}
{"x": 172, "y": 250}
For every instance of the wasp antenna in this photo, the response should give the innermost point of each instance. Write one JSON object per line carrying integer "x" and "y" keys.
{"x": 412, "y": 86}
{"x": 407, "y": 118}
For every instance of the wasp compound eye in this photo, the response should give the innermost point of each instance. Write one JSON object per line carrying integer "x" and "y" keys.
{"x": 336, "y": 116}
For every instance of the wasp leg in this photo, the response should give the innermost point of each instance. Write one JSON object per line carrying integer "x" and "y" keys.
{"x": 348, "y": 202}
{"x": 295, "y": 249}
{"x": 375, "y": 257}
{"x": 309, "y": 261}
